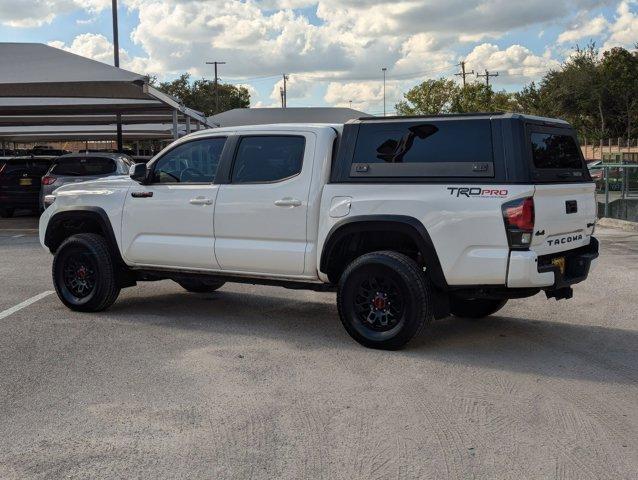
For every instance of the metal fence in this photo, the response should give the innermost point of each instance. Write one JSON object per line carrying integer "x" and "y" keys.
{"x": 615, "y": 182}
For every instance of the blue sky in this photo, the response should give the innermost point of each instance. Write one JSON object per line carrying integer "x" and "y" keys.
{"x": 333, "y": 50}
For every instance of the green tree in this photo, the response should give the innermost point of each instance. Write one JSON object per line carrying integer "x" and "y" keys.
{"x": 530, "y": 100}
{"x": 200, "y": 94}
{"x": 434, "y": 97}
{"x": 431, "y": 97}
{"x": 619, "y": 70}
{"x": 578, "y": 93}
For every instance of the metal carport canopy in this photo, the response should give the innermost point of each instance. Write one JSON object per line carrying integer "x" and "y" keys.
{"x": 28, "y": 134}
{"x": 68, "y": 84}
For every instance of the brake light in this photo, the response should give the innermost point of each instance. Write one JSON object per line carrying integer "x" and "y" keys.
{"x": 48, "y": 180}
{"x": 518, "y": 216}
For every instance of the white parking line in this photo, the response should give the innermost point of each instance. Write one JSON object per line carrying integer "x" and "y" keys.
{"x": 18, "y": 236}
{"x": 24, "y": 304}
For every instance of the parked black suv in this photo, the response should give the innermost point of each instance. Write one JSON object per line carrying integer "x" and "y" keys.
{"x": 20, "y": 183}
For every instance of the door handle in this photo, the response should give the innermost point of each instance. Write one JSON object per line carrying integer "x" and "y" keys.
{"x": 141, "y": 194}
{"x": 288, "y": 202}
{"x": 201, "y": 201}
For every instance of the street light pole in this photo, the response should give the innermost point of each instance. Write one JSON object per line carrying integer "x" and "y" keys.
{"x": 116, "y": 62}
{"x": 384, "y": 69}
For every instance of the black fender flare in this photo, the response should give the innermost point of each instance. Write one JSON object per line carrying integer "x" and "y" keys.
{"x": 66, "y": 214}
{"x": 397, "y": 223}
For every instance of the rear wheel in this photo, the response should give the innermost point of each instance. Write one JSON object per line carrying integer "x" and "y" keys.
{"x": 475, "y": 307}
{"x": 197, "y": 286}
{"x": 6, "y": 212}
{"x": 84, "y": 273}
{"x": 384, "y": 300}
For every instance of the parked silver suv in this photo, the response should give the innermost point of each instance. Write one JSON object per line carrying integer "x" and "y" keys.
{"x": 81, "y": 167}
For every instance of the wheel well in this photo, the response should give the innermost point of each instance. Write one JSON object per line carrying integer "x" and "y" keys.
{"x": 355, "y": 244}
{"x": 404, "y": 235}
{"x": 65, "y": 224}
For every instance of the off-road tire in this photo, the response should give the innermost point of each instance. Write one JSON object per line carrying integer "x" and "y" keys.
{"x": 196, "y": 286}
{"x": 94, "y": 249}
{"x": 404, "y": 276}
{"x": 475, "y": 308}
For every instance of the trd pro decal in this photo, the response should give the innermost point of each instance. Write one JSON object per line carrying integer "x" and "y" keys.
{"x": 477, "y": 192}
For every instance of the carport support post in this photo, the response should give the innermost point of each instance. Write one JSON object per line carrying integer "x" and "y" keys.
{"x": 120, "y": 142}
{"x": 188, "y": 124}
{"x": 175, "y": 132}
{"x": 606, "y": 191}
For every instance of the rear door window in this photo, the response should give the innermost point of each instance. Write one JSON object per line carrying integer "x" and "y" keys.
{"x": 268, "y": 159}
{"x": 83, "y": 166}
{"x": 455, "y": 148}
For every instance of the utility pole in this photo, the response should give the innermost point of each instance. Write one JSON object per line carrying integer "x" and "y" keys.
{"x": 116, "y": 62}
{"x": 216, "y": 84}
{"x": 487, "y": 76}
{"x": 284, "y": 97}
{"x": 463, "y": 73}
{"x": 384, "y": 70}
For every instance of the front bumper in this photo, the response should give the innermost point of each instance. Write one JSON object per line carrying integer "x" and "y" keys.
{"x": 527, "y": 270}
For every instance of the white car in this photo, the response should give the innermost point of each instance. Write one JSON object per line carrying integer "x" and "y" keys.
{"x": 408, "y": 219}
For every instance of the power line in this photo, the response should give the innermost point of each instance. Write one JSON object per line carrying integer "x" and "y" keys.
{"x": 216, "y": 84}
{"x": 463, "y": 73}
{"x": 487, "y": 76}
{"x": 284, "y": 96}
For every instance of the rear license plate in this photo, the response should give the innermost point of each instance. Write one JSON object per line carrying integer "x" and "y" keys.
{"x": 560, "y": 263}
{"x": 26, "y": 181}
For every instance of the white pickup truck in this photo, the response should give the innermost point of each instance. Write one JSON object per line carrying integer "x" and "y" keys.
{"x": 408, "y": 219}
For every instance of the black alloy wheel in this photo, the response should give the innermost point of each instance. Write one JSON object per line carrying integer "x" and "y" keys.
{"x": 84, "y": 273}
{"x": 79, "y": 274}
{"x": 384, "y": 300}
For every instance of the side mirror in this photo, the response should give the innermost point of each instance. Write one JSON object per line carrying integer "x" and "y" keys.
{"x": 138, "y": 172}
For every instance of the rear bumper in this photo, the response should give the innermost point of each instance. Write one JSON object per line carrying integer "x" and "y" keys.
{"x": 578, "y": 263}
{"x": 527, "y": 270}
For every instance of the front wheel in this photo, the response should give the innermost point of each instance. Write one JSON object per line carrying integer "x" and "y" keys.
{"x": 475, "y": 307}
{"x": 384, "y": 300}
{"x": 84, "y": 273}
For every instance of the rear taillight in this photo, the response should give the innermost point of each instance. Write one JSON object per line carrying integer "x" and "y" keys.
{"x": 519, "y": 222}
{"x": 48, "y": 180}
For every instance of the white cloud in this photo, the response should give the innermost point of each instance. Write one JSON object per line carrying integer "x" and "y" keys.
{"x": 340, "y": 51}
{"x": 35, "y": 13}
{"x": 516, "y": 61}
{"x": 588, "y": 29}
{"x": 624, "y": 29}
{"x": 366, "y": 96}
{"x": 98, "y": 47}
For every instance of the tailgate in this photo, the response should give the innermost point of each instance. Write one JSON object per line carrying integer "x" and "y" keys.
{"x": 564, "y": 217}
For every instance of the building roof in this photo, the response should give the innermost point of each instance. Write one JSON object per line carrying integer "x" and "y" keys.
{"x": 267, "y": 116}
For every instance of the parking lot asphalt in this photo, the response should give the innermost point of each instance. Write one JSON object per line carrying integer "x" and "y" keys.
{"x": 263, "y": 382}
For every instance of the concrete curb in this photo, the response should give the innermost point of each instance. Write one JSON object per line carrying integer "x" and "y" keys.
{"x": 619, "y": 224}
